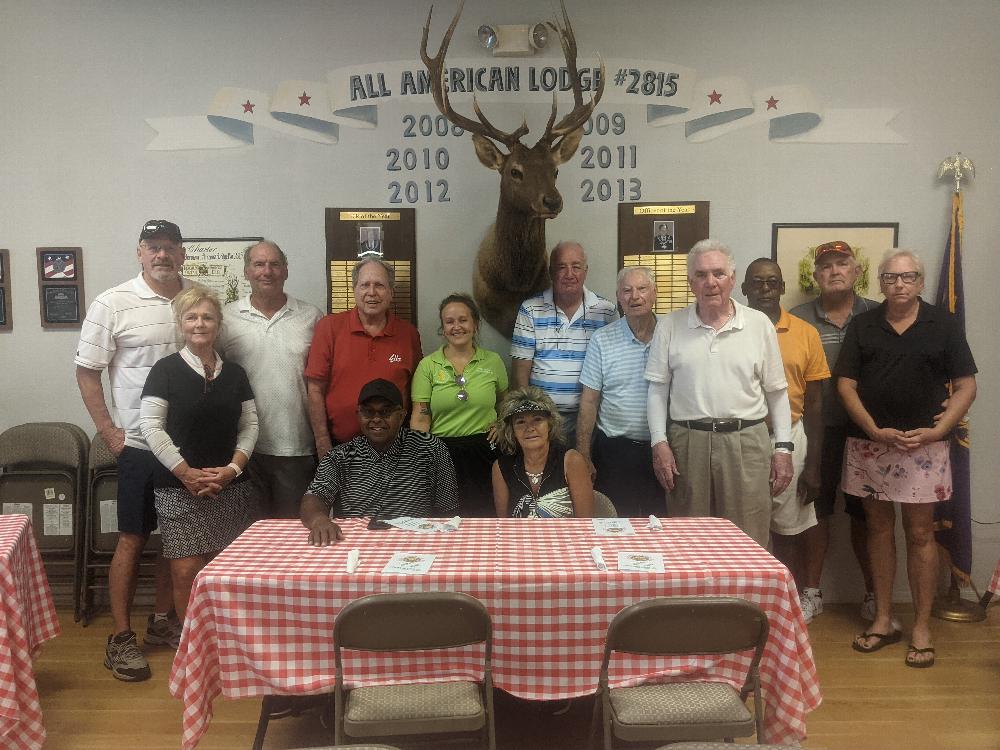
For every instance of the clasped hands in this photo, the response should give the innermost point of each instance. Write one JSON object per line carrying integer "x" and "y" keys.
{"x": 208, "y": 482}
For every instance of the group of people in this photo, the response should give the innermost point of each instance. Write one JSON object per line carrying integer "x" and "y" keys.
{"x": 268, "y": 408}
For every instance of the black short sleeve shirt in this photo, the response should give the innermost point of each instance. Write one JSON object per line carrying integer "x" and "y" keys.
{"x": 902, "y": 378}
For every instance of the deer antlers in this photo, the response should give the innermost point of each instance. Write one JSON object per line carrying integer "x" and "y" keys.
{"x": 581, "y": 111}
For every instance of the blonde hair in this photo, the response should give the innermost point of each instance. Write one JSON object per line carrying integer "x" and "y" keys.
{"x": 519, "y": 401}
{"x": 192, "y": 297}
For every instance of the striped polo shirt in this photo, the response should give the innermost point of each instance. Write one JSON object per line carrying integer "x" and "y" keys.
{"x": 128, "y": 329}
{"x": 614, "y": 365}
{"x": 557, "y": 345}
{"x": 413, "y": 477}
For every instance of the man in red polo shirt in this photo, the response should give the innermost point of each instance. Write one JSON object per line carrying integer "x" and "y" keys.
{"x": 354, "y": 347}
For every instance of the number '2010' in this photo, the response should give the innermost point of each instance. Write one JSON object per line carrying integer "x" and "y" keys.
{"x": 413, "y": 192}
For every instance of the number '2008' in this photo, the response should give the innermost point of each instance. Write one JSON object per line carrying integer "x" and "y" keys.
{"x": 426, "y": 125}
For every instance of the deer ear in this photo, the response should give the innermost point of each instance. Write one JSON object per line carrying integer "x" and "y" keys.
{"x": 565, "y": 149}
{"x": 488, "y": 153}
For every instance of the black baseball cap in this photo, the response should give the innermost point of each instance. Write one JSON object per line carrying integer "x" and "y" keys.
{"x": 381, "y": 388}
{"x": 154, "y": 227}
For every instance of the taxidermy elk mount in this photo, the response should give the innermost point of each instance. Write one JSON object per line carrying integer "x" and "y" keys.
{"x": 512, "y": 262}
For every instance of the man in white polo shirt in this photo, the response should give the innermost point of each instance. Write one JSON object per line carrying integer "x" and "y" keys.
{"x": 714, "y": 372}
{"x": 553, "y": 329}
{"x": 127, "y": 329}
{"x": 613, "y": 399}
{"x": 268, "y": 333}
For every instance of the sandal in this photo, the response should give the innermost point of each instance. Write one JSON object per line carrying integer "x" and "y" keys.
{"x": 881, "y": 641}
{"x": 912, "y": 654}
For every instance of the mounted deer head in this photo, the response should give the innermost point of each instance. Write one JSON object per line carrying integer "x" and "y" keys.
{"x": 511, "y": 264}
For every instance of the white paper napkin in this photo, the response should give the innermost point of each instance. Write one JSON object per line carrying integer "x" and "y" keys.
{"x": 353, "y": 558}
{"x": 643, "y": 562}
{"x": 654, "y": 523}
{"x": 612, "y": 527}
{"x": 409, "y": 563}
{"x": 452, "y": 523}
{"x": 598, "y": 558}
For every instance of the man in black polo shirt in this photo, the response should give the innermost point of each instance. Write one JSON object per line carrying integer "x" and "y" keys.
{"x": 387, "y": 471}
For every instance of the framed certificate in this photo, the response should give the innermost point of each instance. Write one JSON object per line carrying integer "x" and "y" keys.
{"x": 60, "y": 286}
{"x": 60, "y": 307}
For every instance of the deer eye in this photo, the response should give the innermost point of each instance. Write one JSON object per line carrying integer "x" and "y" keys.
{"x": 516, "y": 173}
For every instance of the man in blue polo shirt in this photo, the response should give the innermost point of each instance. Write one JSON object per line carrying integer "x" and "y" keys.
{"x": 613, "y": 398}
{"x": 552, "y": 332}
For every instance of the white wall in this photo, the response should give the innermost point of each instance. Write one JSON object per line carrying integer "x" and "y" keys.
{"x": 78, "y": 79}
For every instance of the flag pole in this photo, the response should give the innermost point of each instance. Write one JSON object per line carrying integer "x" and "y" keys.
{"x": 953, "y": 523}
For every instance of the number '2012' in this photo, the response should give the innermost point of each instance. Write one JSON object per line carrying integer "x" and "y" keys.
{"x": 414, "y": 192}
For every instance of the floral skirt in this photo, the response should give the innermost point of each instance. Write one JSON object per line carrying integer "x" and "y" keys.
{"x": 884, "y": 472}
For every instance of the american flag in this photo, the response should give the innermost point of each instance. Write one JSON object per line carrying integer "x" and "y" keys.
{"x": 59, "y": 266}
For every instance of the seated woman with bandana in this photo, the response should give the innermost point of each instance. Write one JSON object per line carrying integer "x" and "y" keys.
{"x": 536, "y": 476}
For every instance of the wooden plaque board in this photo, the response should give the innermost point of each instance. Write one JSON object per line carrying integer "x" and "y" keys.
{"x": 61, "y": 300}
{"x": 6, "y": 321}
{"x": 659, "y": 235}
{"x": 390, "y": 234}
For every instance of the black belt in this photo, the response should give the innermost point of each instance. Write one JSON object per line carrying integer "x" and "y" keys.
{"x": 719, "y": 425}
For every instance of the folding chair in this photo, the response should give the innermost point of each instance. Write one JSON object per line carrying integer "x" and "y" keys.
{"x": 414, "y": 622}
{"x": 603, "y": 507}
{"x": 43, "y": 468}
{"x": 687, "y": 710}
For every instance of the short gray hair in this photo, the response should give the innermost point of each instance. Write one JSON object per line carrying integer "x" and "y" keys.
{"x": 389, "y": 270}
{"x": 712, "y": 246}
{"x": 269, "y": 243}
{"x": 899, "y": 252}
{"x": 566, "y": 243}
{"x": 644, "y": 270}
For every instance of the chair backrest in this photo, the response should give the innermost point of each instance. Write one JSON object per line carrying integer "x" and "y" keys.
{"x": 603, "y": 507}
{"x": 43, "y": 445}
{"x": 413, "y": 621}
{"x": 688, "y": 625}
{"x": 101, "y": 457}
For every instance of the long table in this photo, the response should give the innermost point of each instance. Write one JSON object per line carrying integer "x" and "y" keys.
{"x": 260, "y": 617}
{"x": 27, "y": 620}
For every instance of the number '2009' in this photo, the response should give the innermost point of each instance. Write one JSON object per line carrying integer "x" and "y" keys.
{"x": 602, "y": 124}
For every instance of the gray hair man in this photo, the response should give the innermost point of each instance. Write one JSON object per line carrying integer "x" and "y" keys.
{"x": 612, "y": 430}
{"x": 268, "y": 333}
{"x": 127, "y": 330}
{"x": 715, "y": 372}
{"x": 553, "y": 329}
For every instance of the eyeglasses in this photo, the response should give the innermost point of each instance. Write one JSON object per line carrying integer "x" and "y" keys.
{"x": 766, "y": 283}
{"x": 908, "y": 277}
{"x": 462, "y": 395}
{"x": 368, "y": 413}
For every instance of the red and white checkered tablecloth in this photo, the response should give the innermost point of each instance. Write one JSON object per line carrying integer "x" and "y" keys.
{"x": 27, "y": 620}
{"x": 994, "y": 586}
{"x": 260, "y": 619}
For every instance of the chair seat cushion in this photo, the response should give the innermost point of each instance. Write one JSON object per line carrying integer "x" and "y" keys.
{"x": 679, "y": 703}
{"x": 406, "y": 702}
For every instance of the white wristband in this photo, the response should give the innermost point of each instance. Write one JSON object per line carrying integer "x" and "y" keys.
{"x": 235, "y": 468}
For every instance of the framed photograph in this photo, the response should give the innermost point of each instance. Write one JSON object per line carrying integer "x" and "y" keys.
{"x": 60, "y": 306}
{"x": 793, "y": 248}
{"x": 6, "y": 323}
{"x": 663, "y": 237}
{"x": 59, "y": 265}
{"x": 370, "y": 240}
{"x": 218, "y": 264}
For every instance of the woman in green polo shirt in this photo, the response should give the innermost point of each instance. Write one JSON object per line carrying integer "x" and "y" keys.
{"x": 455, "y": 393}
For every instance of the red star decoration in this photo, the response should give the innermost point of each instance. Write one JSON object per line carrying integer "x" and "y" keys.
{"x": 248, "y": 106}
{"x": 772, "y": 103}
{"x": 714, "y": 98}
{"x": 304, "y": 99}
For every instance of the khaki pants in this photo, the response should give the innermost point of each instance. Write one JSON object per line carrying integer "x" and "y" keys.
{"x": 724, "y": 474}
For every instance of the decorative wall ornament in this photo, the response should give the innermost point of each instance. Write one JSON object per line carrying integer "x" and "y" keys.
{"x": 512, "y": 262}
{"x": 60, "y": 286}
{"x": 793, "y": 248}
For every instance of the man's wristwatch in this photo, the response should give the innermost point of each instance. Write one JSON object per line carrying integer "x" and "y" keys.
{"x": 786, "y": 447}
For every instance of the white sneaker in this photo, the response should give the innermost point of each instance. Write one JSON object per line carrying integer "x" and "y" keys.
{"x": 868, "y": 607}
{"x": 812, "y": 603}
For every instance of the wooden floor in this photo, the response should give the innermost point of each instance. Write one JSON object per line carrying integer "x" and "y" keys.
{"x": 869, "y": 701}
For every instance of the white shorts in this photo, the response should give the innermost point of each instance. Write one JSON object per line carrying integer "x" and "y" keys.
{"x": 789, "y": 515}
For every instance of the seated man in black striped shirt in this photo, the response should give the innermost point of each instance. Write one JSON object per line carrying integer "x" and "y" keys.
{"x": 387, "y": 471}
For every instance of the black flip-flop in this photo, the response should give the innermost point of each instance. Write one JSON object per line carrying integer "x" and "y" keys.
{"x": 882, "y": 640}
{"x": 913, "y": 651}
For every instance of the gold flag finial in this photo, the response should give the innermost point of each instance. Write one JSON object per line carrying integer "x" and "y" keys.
{"x": 959, "y": 166}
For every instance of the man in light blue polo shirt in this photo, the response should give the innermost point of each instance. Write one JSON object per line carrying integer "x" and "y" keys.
{"x": 552, "y": 332}
{"x": 613, "y": 397}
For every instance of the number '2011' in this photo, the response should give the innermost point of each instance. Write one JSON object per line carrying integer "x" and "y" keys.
{"x": 414, "y": 192}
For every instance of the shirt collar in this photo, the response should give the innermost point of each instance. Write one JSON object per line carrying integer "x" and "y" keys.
{"x": 144, "y": 291}
{"x": 244, "y": 305}
{"x": 736, "y": 322}
{"x": 589, "y": 299}
{"x": 438, "y": 357}
{"x": 195, "y": 364}
{"x": 357, "y": 327}
{"x": 784, "y": 320}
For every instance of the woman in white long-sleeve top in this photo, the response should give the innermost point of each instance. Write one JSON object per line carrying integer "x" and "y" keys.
{"x": 199, "y": 418}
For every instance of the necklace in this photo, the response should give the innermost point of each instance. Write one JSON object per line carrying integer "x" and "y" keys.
{"x": 535, "y": 478}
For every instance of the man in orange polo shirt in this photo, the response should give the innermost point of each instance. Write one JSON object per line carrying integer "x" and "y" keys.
{"x": 354, "y": 347}
{"x": 805, "y": 369}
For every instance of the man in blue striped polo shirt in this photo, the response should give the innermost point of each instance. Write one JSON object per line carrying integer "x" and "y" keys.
{"x": 613, "y": 398}
{"x": 552, "y": 332}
